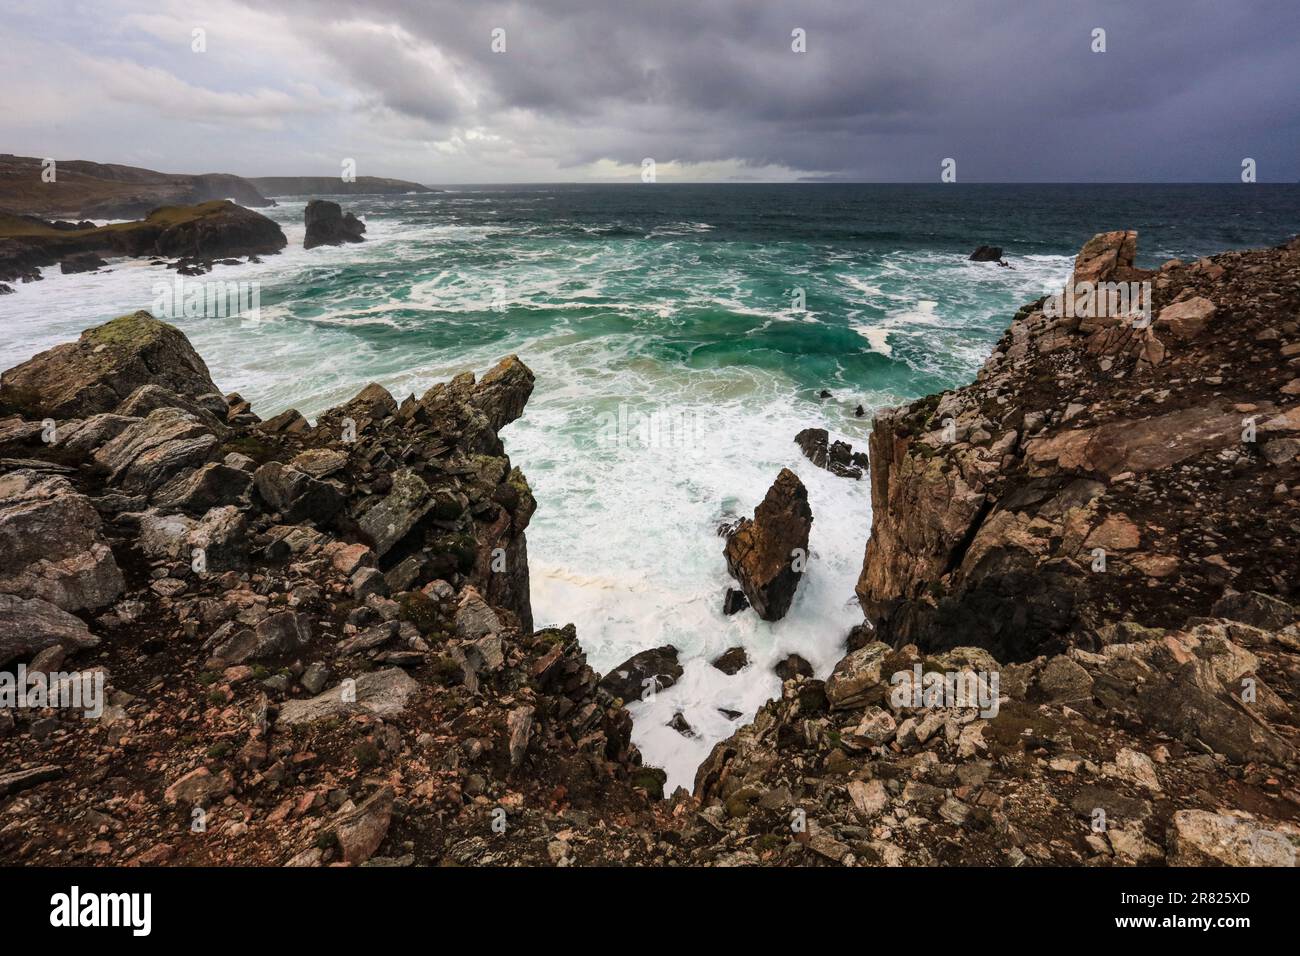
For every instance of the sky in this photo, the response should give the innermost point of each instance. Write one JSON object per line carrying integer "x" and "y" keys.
{"x": 483, "y": 91}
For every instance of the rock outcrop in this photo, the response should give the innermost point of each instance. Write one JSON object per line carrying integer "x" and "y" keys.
{"x": 327, "y": 225}
{"x": 768, "y": 553}
{"x": 836, "y": 457}
{"x": 1101, "y": 463}
{"x": 197, "y": 234}
{"x": 284, "y": 615}
{"x": 102, "y": 369}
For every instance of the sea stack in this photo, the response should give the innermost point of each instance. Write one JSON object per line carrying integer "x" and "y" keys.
{"x": 328, "y": 225}
{"x": 768, "y": 554}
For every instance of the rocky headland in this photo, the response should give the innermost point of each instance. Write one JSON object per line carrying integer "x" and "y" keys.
{"x": 193, "y": 235}
{"x": 1079, "y": 643}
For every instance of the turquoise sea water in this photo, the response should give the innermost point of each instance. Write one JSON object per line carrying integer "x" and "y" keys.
{"x": 673, "y": 368}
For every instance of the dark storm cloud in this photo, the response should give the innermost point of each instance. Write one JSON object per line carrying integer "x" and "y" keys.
{"x": 1009, "y": 88}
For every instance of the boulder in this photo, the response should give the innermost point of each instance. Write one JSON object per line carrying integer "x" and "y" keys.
{"x": 389, "y": 520}
{"x": 1186, "y": 319}
{"x": 382, "y": 693}
{"x": 30, "y": 625}
{"x": 858, "y": 678}
{"x": 296, "y": 495}
{"x": 147, "y": 455}
{"x": 986, "y": 254}
{"x": 763, "y": 554}
{"x": 630, "y": 679}
{"x": 51, "y": 546}
{"x": 361, "y": 830}
{"x": 327, "y": 225}
{"x": 103, "y": 367}
{"x": 503, "y": 391}
{"x": 1203, "y": 838}
{"x": 1255, "y": 609}
{"x": 149, "y": 398}
{"x": 206, "y": 487}
{"x": 81, "y": 262}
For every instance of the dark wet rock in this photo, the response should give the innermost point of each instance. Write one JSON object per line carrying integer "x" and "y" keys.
{"x": 793, "y": 666}
{"x": 327, "y": 225}
{"x": 836, "y": 457}
{"x": 767, "y": 555}
{"x": 986, "y": 254}
{"x": 734, "y": 601}
{"x": 81, "y": 262}
{"x": 653, "y": 669}
{"x": 732, "y": 660}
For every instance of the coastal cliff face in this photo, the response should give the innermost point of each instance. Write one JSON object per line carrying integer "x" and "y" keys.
{"x": 1098, "y": 466}
{"x": 315, "y": 642}
{"x": 1082, "y": 646}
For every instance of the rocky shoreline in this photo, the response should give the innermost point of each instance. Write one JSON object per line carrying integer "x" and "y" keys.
{"x": 316, "y": 642}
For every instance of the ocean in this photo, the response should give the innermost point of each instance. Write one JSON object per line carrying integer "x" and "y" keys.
{"x": 681, "y": 336}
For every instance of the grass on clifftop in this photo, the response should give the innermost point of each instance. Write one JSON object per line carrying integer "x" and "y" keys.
{"x": 15, "y": 227}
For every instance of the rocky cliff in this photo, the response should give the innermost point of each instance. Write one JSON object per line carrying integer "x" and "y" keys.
{"x": 81, "y": 189}
{"x": 1081, "y": 638}
{"x": 316, "y": 642}
{"x": 1081, "y": 646}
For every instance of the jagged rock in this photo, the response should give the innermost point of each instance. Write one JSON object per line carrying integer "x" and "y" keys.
{"x": 763, "y": 554}
{"x": 149, "y": 398}
{"x": 296, "y": 495}
{"x": 102, "y": 368}
{"x": 503, "y": 391}
{"x": 986, "y": 254}
{"x": 732, "y": 661}
{"x": 278, "y": 634}
{"x": 1202, "y": 838}
{"x": 1255, "y": 609}
{"x": 328, "y": 226}
{"x": 793, "y": 666}
{"x": 391, "y": 519}
{"x": 474, "y": 618}
{"x": 734, "y": 601}
{"x": 206, "y": 487}
{"x": 30, "y": 625}
{"x": 51, "y": 544}
{"x": 84, "y": 438}
{"x": 836, "y": 457}
{"x": 383, "y": 693}
{"x": 857, "y": 679}
{"x": 361, "y": 830}
{"x": 519, "y": 725}
{"x": 650, "y": 670}
{"x": 150, "y": 453}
